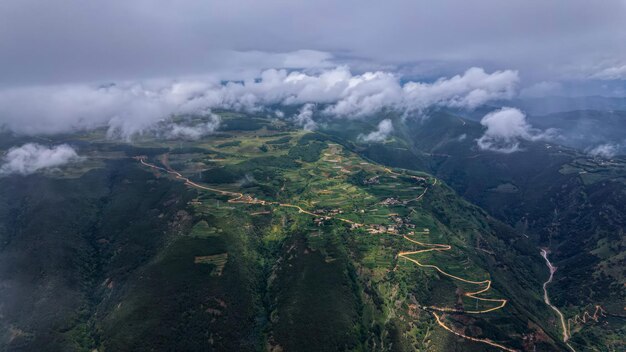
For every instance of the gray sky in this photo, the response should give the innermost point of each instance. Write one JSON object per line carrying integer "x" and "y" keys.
{"x": 75, "y": 64}
{"x": 44, "y": 42}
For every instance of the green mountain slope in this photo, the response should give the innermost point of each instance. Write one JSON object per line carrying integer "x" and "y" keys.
{"x": 258, "y": 238}
{"x": 558, "y": 197}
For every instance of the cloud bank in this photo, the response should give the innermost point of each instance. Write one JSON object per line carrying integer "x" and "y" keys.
{"x": 506, "y": 128}
{"x": 131, "y": 108}
{"x": 382, "y": 132}
{"x": 31, "y": 157}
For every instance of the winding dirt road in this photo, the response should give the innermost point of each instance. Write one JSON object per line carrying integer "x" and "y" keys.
{"x": 546, "y": 298}
{"x": 486, "y": 341}
{"x": 486, "y": 284}
{"x": 585, "y": 318}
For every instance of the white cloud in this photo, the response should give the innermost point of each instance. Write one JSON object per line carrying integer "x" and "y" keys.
{"x": 607, "y": 150}
{"x": 131, "y": 108}
{"x": 473, "y": 88}
{"x": 506, "y": 128}
{"x": 32, "y": 157}
{"x": 611, "y": 73}
{"x": 193, "y": 132}
{"x": 127, "y": 109}
{"x": 305, "y": 118}
{"x": 382, "y": 132}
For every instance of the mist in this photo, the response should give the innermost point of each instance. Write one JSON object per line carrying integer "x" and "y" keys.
{"x": 130, "y": 108}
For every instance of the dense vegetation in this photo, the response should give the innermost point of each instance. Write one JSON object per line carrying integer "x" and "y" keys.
{"x": 560, "y": 198}
{"x": 112, "y": 255}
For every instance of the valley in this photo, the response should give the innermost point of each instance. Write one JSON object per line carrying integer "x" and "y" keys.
{"x": 558, "y": 197}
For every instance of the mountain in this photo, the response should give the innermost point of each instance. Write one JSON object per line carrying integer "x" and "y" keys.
{"x": 562, "y": 199}
{"x": 587, "y": 129}
{"x": 259, "y": 237}
{"x": 599, "y": 132}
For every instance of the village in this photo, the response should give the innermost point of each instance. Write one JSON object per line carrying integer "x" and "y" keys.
{"x": 400, "y": 223}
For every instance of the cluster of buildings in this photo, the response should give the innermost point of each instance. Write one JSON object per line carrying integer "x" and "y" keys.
{"x": 402, "y": 222}
{"x": 374, "y": 180}
{"x": 382, "y": 229}
{"x": 325, "y": 215}
{"x": 390, "y": 201}
{"x": 246, "y": 198}
{"x": 327, "y": 212}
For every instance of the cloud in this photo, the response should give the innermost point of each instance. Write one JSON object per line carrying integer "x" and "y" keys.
{"x": 130, "y": 108}
{"x": 617, "y": 72}
{"x": 304, "y": 118}
{"x": 31, "y": 157}
{"x": 195, "y": 37}
{"x": 506, "y": 128}
{"x": 606, "y": 151}
{"x": 126, "y": 109}
{"x": 382, "y": 132}
{"x": 358, "y": 95}
{"x": 193, "y": 132}
{"x": 473, "y": 88}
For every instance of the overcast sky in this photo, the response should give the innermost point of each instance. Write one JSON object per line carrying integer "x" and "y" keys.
{"x": 44, "y": 42}
{"x": 67, "y": 65}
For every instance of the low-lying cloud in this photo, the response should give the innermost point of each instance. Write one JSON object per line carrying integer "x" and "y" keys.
{"x": 31, "y": 157}
{"x": 506, "y": 129}
{"x": 382, "y": 132}
{"x": 182, "y": 130}
{"x": 131, "y": 108}
{"x": 617, "y": 72}
{"x": 304, "y": 118}
{"x": 607, "y": 150}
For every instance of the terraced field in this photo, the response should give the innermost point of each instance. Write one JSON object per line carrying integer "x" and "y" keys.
{"x": 370, "y": 200}
{"x": 269, "y": 237}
